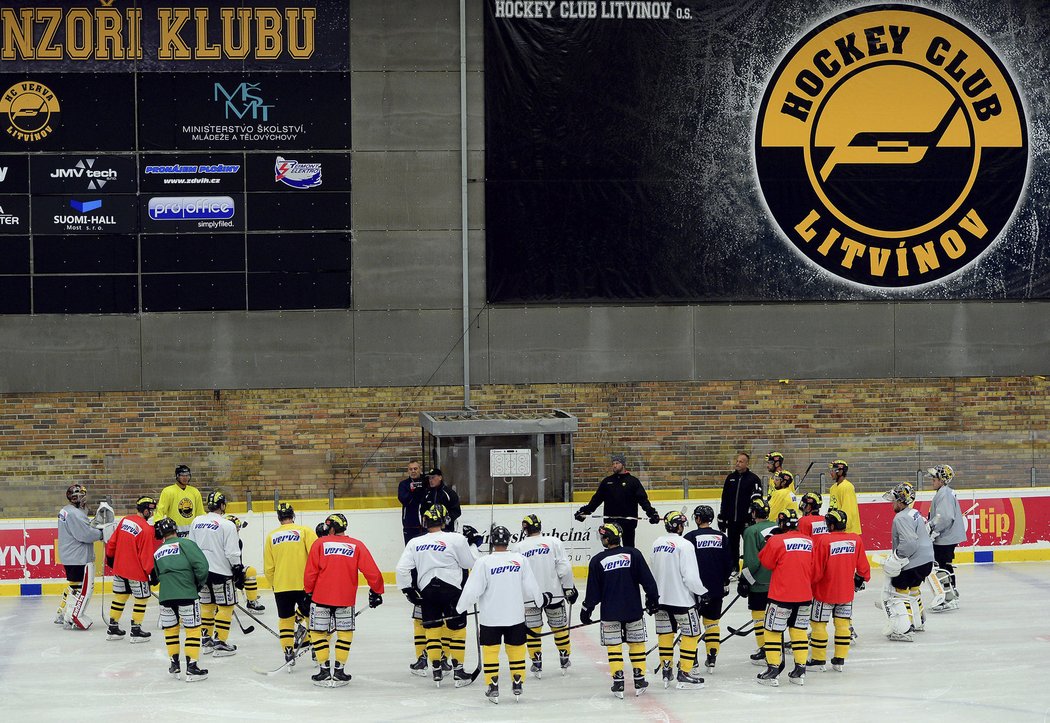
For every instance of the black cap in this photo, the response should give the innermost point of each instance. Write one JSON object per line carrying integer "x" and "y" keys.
{"x": 434, "y": 472}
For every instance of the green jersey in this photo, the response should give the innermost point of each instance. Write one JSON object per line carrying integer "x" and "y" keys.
{"x": 182, "y": 569}
{"x": 755, "y": 538}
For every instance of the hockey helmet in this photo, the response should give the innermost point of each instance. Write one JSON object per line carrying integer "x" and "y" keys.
{"x": 775, "y": 457}
{"x": 182, "y": 469}
{"x": 237, "y": 522}
{"x": 435, "y": 516}
{"x": 336, "y": 522}
{"x": 216, "y": 500}
{"x": 902, "y": 492}
{"x": 785, "y": 477}
{"x": 787, "y": 519}
{"x": 610, "y": 534}
{"x": 531, "y": 524}
{"x": 675, "y": 521}
{"x": 165, "y": 527}
{"x": 321, "y": 529}
{"x": 704, "y": 513}
{"x": 499, "y": 536}
{"x": 836, "y": 519}
{"x": 810, "y": 502}
{"x": 943, "y": 472}
{"x": 760, "y": 507}
{"x": 76, "y": 493}
{"x": 839, "y": 465}
{"x": 146, "y": 505}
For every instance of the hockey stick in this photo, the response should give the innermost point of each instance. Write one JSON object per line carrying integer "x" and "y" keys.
{"x": 618, "y": 517}
{"x": 743, "y": 631}
{"x": 798, "y": 486}
{"x": 248, "y": 612}
{"x": 528, "y": 631}
{"x": 731, "y": 603}
{"x": 447, "y": 618}
{"x": 303, "y": 649}
{"x": 246, "y": 630}
{"x": 477, "y": 635}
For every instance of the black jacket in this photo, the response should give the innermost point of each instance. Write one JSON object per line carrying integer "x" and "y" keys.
{"x": 613, "y": 577}
{"x": 442, "y": 495}
{"x": 736, "y": 496}
{"x": 621, "y": 494}
{"x": 411, "y": 500}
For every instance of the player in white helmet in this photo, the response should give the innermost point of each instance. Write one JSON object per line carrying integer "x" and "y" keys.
{"x": 947, "y": 529}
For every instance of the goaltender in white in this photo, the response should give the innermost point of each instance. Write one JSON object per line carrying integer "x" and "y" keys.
{"x": 498, "y": 583}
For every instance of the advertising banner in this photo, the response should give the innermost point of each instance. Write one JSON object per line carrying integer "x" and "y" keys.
{"x": 764, "y": 151}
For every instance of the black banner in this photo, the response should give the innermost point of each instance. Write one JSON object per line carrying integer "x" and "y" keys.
{"x": 732, "y": 151}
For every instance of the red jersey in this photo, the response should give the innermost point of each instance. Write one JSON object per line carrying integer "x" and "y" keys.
{"x": 790, "y": 558}
{"x": 332, "y": 568}
{"x": 836, "y": 557}
{"x": 131, "y": 546}
{"x": 813, "y": 525}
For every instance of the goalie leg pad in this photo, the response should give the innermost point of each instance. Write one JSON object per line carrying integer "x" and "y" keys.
{"x": 76, "y": 608}
{"x": 897, "y": 611}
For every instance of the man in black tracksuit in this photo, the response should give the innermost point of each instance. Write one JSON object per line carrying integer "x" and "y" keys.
{"x": 621, "y": 493}
{"x": 613, "y": 578}
{"x": 411, "y": 491}
{"x": 439, "y": 494}
{"x": 735, "y": 513}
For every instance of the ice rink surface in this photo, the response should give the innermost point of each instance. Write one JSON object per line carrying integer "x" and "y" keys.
{"x": 987, "y": 661}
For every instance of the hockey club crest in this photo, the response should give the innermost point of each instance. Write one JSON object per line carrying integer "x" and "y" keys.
{"x": 891, "y": 146}
{"x": 32, "y": 111}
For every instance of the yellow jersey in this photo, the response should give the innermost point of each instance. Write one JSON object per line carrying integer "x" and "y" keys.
{"x": 771, "y": 488}
{"x": 779, "y": 501}
{"x": 844, "y": 497}
{"x": 181, "y": 505}
{"x": 284, "y": 556}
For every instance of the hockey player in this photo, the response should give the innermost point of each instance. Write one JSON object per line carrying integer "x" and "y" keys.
{"x": 947, "y": 529}
{"x": 775, "y": 463}
{"x": 613, "y": 578}
{"x": 782, "y": 497}
{"x": 811, "y": 522}
{"x": 217, "y": 538}
{"x": 840, "y": 569}
{"x": 76, "y": 551}
{"x": 788, "y": 555}
{"x": 181, "y": 571}
{"x": 553, "y": 572}
{"x": 130, "y": 553}
{"x": 251, "y": 582}
{"x": 331, "y": 581}
{"x": 843, "y": 496}
{"x": 181, "y": 501}
{"x": 674, "y": 567}
{"x": 284, "y": 561}
{"x": 911, "y": 562}
{"x": 497, "y": 583}
{"x": 716, "y": 562}
{"x": 754, "y": 579}
{"x": 430, "y": 574}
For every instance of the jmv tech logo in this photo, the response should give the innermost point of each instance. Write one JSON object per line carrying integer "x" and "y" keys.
{"x": 31, "y": 111}
{"x": 891, "y": 146}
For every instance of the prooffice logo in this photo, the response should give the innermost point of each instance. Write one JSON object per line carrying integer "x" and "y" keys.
{"x": 243, "y": 102}
{"x": 191, "y": 208}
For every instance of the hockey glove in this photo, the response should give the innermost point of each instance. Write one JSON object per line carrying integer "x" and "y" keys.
{"x": 651, "y": 604}
{"x": 374, "y": 599}
{"x": 581, "y": 515}
{"x": 238, "y": 576}
{"x": 304, "y": 605}
{"x": 585, "y": 616}
{"x": 743, "y": 587}
{"x": 153, "y": 579}
{"x": 705, "y": 599}
{"x": 548, "y": 599}
{"x": 472, "y": 536}
{"x": 413, "y": 595}
{"x": 654, "y": 518}
{"x": 858, "y": 583}
{"x": 572, "y": 595}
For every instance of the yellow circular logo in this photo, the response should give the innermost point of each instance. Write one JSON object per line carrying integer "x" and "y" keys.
{"x": 31, "y": 109}
{"x": 186, "y": 508}
{"x": 891, "y": 146}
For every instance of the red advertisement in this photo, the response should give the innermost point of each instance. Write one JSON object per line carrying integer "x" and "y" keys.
{"x": 29, "y": 551}
{"x": 990, "y": 521}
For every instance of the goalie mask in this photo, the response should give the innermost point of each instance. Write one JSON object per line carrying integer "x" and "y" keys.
{"x": 903, "y": 492}
{"x": 76, "y": 494}
{"x": 943, "y": 472}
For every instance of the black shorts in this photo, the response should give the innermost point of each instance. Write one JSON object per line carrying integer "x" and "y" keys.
{"x": 757, "y": 601}
{"x": 912, "y": 577}
{"x": 509, "y": 634}
{"x": 439, "y": 601}
{"x": 713, "y": 609}
{"x": 288, "y": 601}
{"x": 75, "y": 573}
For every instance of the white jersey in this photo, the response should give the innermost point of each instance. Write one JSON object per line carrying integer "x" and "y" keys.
{"x": 217, "y": 538}
{"x": 549, "y": 563}
{"x": 498, "y": 583}
{"x": 675, "y": 568}
{"x": 444, "y": 555}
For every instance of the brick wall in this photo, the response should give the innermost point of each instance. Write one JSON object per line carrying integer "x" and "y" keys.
{"x": 356, "y": 441}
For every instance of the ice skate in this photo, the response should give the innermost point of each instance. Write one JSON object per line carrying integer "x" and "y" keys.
{"x": 461, "y": 677}
{"x": 769, "y": 677}
{"x": 193, "y": 673}
{"x": 420, "y": 666}
{"x": 758, "y": 658}
{"x": 666, "y": 673}
{"x": 798, "y": 675}
{"x": 563, "y": 659}
{"x": 816, "y": 665}
{"x": 138, "y": 635}
{"x": 223, "y": 649}
{"x": 688, "y": 681}
{"x": 255, "y": 605}
{"x": 207, "y": 645}
{"x": 709, "y": 663}
{"x": 439, "y": 673}
{"x": 837, "y": 664}
{"x": 537, "y": 665}
{"x": 339, "y": 676}
{"x": 174, "y": 669}
{"x": 493, "y": 692}
{"x": 617, "y": 685}
{"x": 516, "y": 688}
{"x": 640, "y": 683}
{"x": 322, "y": 677}
{"x": 945, "y": 606}
{"x": 113, "y": 632}
{"x": 901, "y": 637}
